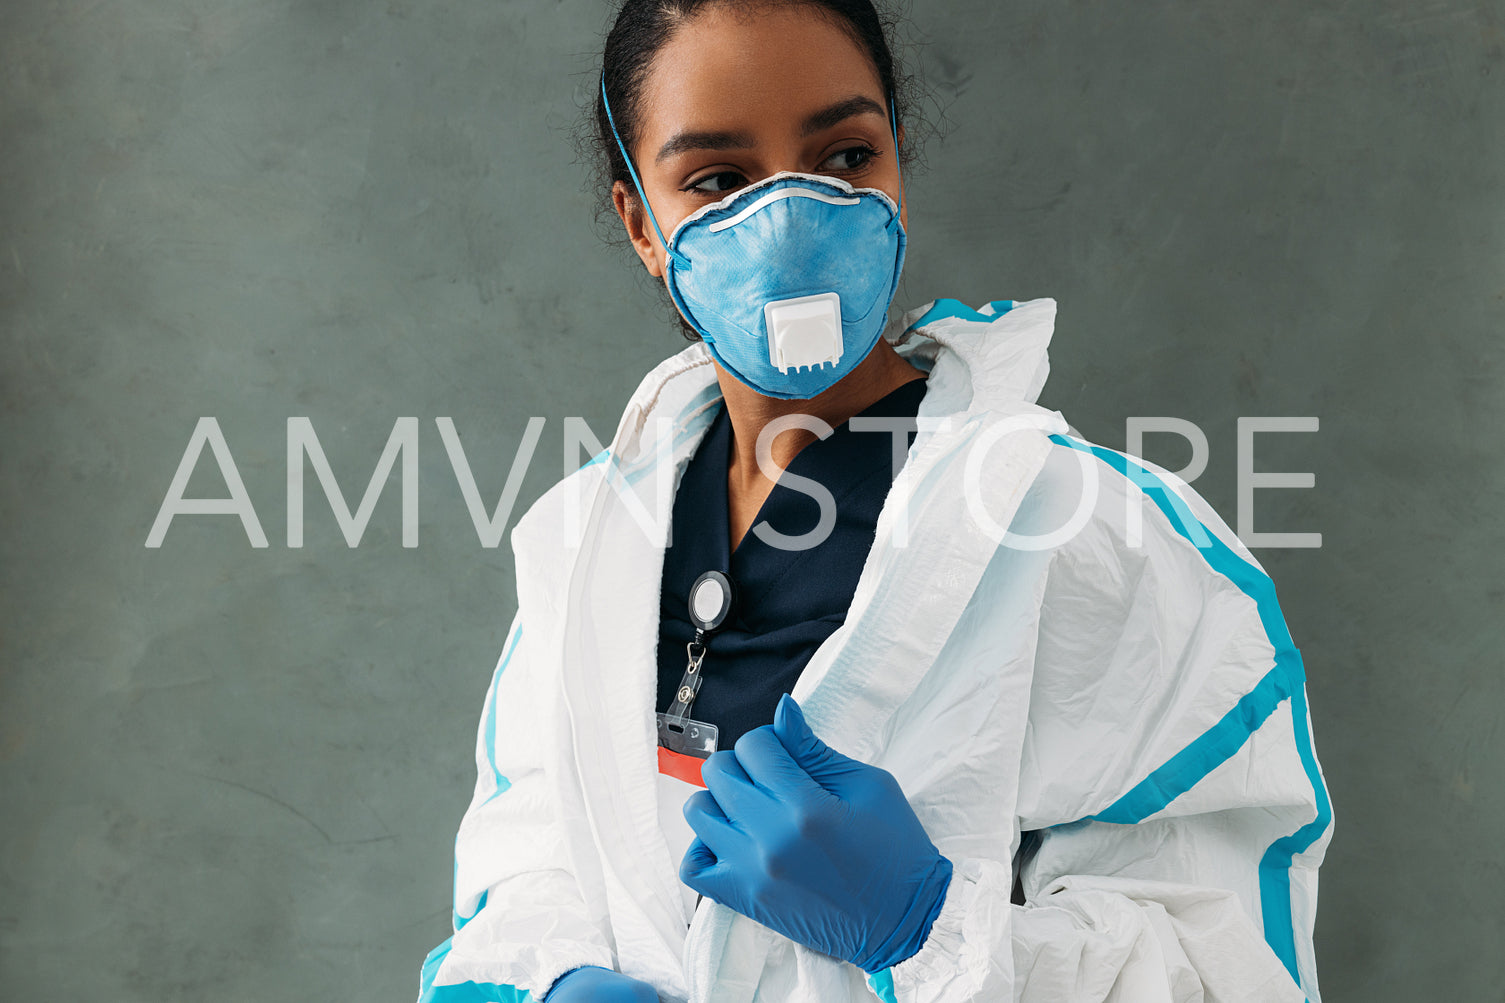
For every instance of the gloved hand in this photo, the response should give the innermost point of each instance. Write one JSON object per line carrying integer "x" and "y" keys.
{"x": 599, "y": 985}
{"x": 814, "y": 845}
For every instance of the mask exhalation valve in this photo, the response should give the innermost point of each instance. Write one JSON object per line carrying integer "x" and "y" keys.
{"x": 804, "y": 331}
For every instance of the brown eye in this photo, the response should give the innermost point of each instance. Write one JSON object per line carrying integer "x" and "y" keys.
{"x": 851, "y": 159}
{"x": 723, "y": 181}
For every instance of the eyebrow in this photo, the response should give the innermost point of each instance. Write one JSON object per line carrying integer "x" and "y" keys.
{"x": 840, "y": 112}
{"x": 825, "y": 118}
{"x": 686, "y": 141}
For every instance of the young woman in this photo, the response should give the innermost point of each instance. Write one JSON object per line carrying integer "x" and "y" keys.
{"x": 846, "y": 672}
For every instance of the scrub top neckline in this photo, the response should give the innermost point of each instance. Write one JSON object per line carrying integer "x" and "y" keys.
{"x": 896, "y": 402}
{"x": 790, "y": 596}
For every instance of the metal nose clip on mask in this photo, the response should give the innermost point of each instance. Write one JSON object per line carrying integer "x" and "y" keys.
{"x": 788, "y": 280}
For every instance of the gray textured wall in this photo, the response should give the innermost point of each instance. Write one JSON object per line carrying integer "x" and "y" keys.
{"x": 233, "y": 773}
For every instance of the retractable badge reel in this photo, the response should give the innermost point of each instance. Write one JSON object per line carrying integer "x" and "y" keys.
{"x": 710, "y": 604}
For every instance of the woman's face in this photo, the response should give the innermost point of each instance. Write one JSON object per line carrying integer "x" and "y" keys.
{"x": 737, "y": 95}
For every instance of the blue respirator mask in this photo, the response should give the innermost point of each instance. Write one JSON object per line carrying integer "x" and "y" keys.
{"x": 787, "y": 281}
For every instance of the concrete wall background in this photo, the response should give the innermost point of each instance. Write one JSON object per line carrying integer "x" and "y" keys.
{"x": 235, "y": 773}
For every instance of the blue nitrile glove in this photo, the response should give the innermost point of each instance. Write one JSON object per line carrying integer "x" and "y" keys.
{"x": 814, "y": 845}
{"x": 599, "y": 985}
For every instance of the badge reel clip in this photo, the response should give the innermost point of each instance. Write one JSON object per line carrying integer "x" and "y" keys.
{"x": 710, "y": 605}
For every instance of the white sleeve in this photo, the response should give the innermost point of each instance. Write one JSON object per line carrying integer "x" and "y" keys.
{"x": 521, "y": 918}
{"x": 1174, "y": 811}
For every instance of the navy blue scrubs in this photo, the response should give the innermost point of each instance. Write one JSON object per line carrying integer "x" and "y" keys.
{"x": 788, "y": 601}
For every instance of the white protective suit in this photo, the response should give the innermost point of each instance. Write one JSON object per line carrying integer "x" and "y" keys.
{"x": 1116, "y": 677}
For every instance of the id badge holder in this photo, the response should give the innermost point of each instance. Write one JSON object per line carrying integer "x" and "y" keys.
{"x": 710, "y": 602}
{"x": 677, "y": 731}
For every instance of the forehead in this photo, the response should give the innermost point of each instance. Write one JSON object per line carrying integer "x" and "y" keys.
{"x": 753, "y": 67}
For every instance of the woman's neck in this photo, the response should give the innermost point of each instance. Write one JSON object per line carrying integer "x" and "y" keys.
{"x": 875, "y": 377}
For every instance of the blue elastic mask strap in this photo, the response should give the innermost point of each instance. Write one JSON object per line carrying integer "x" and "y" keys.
{"x": 893, "y": 123}
{"x": 633, "y": 171}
